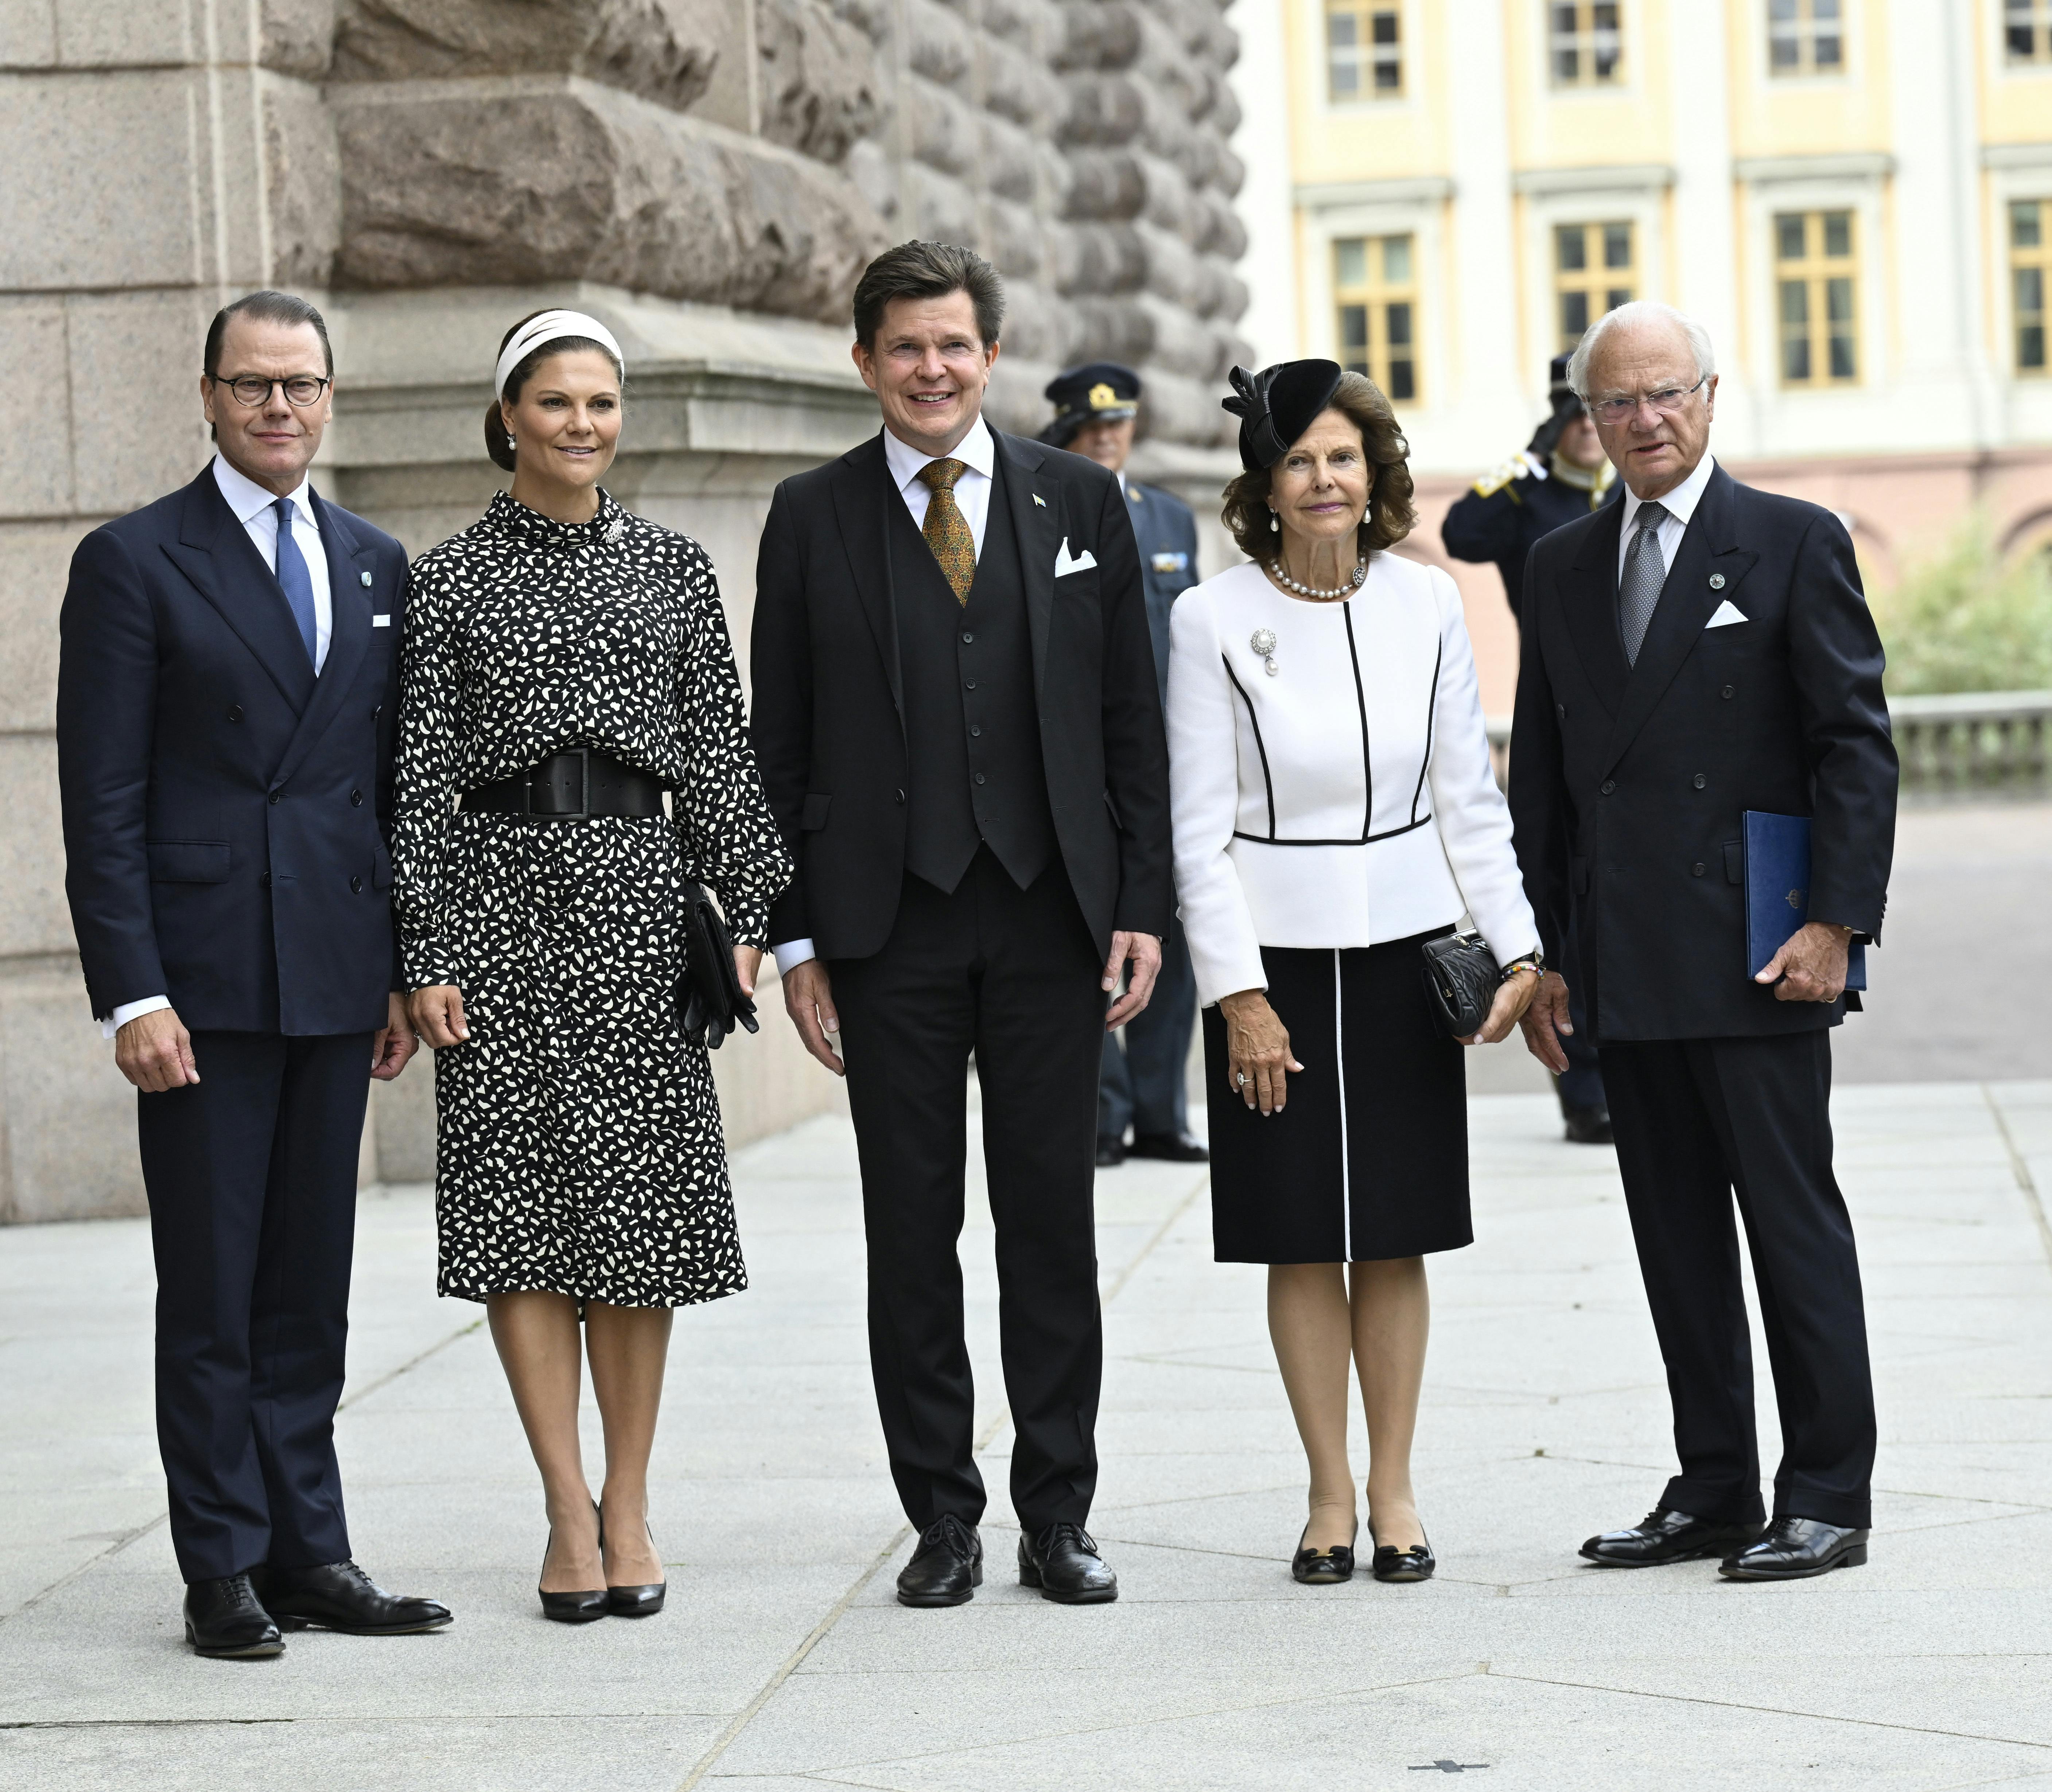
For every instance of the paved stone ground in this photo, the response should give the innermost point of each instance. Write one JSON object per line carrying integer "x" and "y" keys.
{"x": 783, "y": 1663}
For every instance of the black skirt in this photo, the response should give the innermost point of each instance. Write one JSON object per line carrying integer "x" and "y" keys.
{"x": 1368, "y": 1158}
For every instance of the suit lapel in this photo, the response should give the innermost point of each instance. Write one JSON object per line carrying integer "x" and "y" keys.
{"x": 215, "y": 553}
{"x": 862, "y": 487}
{"x": 1040, "y": 529}
{"x": 1589, "y": 596}
{"x": 1687, "y": 601}
{"x": 349, "y": 629}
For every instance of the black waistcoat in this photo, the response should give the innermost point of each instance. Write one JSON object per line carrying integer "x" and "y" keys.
{"x": 972, "y": 726}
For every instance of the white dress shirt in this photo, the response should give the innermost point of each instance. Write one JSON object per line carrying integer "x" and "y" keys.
{"x": 979, "y": 452}
{"x": 1680, "y": 505}
{"x": 1345, "y": 799}
{"x": 257, "y": 510}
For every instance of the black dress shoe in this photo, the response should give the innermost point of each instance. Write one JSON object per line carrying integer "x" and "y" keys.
{"x": 1322, "y": 1567}
{"x": 1063, "y": 1562}
{"x": 637, "y": 1601}
{"x": 946, "y": 1568}
{"x": 1171, "y": 1148}
{"x": 580, "y": 1607}
{"x": 224, "y": 1620}
{"x": 1795, "y": 1549}
{"x": 1667, "y": 1536}
{"x": 340, "y": 1596}
{"x": 1588, "y": 1126}
{"x": 1391, "y": 1564}
{"x": 1110, "y": 1153}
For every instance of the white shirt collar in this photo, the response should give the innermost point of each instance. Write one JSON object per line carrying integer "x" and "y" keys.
{"x": 249, "y": 499}
{"x": 1681, "y": 503}
{"x": 977, "y": 450}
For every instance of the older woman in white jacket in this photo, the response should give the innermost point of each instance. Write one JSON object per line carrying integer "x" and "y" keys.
{"x": 1333, "y": 809}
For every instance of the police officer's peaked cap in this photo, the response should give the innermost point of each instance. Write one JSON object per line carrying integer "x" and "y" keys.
{"x": 1557, "y": 376}
{"x": 1098, "y": 388}
{"x": 1277, "y": 405}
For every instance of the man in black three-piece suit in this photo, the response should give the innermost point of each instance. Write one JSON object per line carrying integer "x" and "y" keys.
{"x": 1701, "y": 649}
{"x": 1145, "y": 1084}
{"x": 226, "y": 699}
{"x": 959, "y": 733}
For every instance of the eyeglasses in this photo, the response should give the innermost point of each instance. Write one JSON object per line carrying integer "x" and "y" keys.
{"x": 252, "y": 390}
{"x": 1667, "y": 400}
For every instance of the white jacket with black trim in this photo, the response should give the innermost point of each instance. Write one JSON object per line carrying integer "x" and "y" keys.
{"x": 1346, "y": 797}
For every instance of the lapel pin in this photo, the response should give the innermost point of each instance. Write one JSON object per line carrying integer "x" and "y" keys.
{"x": 1040, "y": 500}
{"x": 1717, "y": 581}
{"x": 366, "y": 579}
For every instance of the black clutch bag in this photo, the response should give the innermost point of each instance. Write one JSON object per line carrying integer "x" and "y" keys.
{"x": 1461, "y": 980}
{"x": 710, "y": 1002}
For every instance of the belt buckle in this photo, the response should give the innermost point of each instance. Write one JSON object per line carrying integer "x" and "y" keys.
{"x": 582, "y": 812}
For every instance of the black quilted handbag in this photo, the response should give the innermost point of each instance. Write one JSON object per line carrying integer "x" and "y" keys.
{"x": 710, "y": 1002}
{"x": 1461, "y": 980}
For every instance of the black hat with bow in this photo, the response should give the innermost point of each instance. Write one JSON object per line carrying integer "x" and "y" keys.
{"x": 1277, "y": 405}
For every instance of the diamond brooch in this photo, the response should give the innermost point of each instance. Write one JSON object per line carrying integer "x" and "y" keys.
{"x": 1262, "y": 641}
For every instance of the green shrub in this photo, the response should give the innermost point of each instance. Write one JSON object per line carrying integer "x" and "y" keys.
{"x": 1963, "y": 620}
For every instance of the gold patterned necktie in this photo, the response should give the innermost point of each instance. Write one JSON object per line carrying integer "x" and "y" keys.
{"x": 947, "y": 529}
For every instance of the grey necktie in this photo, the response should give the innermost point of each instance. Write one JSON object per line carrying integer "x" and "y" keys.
{"x": 1638, "y": 591}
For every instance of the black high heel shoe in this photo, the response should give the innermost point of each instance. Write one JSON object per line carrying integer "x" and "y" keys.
{"x": 637, "y": 1601}
{"x": 1391, "y": 1564}
{"x": 1323, "y": 1567}
{"x": 575, "y": 1608}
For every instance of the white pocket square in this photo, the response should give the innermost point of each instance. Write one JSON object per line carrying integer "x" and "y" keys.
{"x": 1725, "y": 614}
{"x": 1064, "y": 564}
{"x": 381, "y": 622}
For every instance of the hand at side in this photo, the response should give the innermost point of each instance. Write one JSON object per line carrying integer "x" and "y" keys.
{"x": 1144, "y": 951}
{"x": 809, "y": 1000}
{"x": 395, "y": 1044}
{"x": 154, "y": 1051}
{"x": 1545, "y": 1022}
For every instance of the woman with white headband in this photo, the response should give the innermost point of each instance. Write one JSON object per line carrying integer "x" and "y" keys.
{"x": 566, "y": 664}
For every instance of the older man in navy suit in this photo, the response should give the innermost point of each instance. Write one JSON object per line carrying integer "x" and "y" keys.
{"x": 1144, "y": 1080}
{"x": 226, "y": 700}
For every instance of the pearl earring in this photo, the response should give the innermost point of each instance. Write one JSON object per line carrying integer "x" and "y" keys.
{"x": 511, "y": 442}
{"x": 1274, "y": 523}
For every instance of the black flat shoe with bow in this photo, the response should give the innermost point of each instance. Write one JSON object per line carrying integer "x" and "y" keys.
{"x": 575, "y": 1608}
{"x": 1323, "y": 1567}
{"x": 1391, "y": 1564}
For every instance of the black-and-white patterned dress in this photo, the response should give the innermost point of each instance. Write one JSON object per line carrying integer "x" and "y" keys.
{"x": 579, "y": 1132}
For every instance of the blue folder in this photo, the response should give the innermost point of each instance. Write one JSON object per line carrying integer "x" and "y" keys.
{"x": 1777, "y": 891}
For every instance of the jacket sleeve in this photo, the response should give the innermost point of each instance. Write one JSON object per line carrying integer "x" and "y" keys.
{"x": 1473, "y": 819}
{"x": 729, "y": 839}
{"x": 424, "y": 786}
{"x": 1136, "y": 752}
{"x": 106, "y": 713}
{"x": 1539, "y": 812}
{"x": 1486, "y": 522}
{"x": 781, "y": 669}
{"x": 1835, "y": 659}
{"x": 1204, "y": 783}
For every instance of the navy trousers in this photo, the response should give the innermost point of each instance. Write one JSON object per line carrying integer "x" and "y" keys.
{"x": 1144, "y": 1083}
{"x": 1699, "y": 1121}
{"x": 251, "y": 1179}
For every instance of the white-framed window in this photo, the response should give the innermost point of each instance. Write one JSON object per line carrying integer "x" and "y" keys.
{"x": 1364, "y": 51}
{"x": 1805, "y": 38}
{"x": 1584, "y": 42}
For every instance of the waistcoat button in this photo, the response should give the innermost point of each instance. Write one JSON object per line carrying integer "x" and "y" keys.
{"x": 1699, "y": 780}
{"x": 1731, "y": 690}
{"x": 1696, "y": 869}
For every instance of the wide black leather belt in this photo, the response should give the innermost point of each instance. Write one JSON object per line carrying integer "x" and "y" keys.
{"x": 573, "y": 785}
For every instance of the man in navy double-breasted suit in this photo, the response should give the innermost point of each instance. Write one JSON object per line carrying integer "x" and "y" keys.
{"x": 226, "y": 702}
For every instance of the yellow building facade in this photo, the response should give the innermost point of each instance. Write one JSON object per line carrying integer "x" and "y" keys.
{"x": 1854, "y": 196}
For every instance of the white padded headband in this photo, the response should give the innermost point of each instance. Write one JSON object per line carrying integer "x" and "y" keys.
{"x": 549, "y": 327}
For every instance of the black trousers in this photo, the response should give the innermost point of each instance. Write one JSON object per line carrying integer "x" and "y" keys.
{"x": 1697, "y": 1119}
{"x": 1012, "y": 976}
{"x": 1146, "y": 1082}
{"x": 251, "y": 1179}
{"x": 1581, "y": 1084}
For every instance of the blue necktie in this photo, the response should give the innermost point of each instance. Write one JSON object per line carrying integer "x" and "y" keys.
{"x": 296, "y": 581}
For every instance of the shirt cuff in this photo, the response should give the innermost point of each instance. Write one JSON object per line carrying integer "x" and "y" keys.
{"x": 792, "y": 954}
{"x": 127, "y": 1012}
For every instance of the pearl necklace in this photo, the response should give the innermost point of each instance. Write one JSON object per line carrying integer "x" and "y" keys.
{"x": 1347, "y": 590}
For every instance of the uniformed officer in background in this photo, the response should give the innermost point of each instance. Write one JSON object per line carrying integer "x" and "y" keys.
{"x": 1144, "y": 1083}
{"x": 1560, "y": 473}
